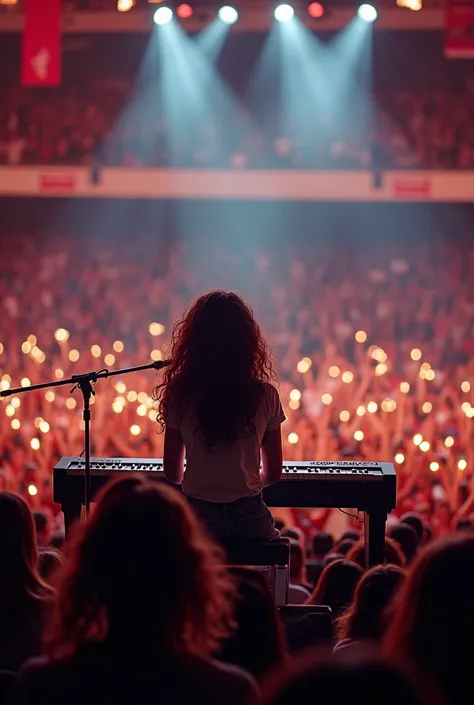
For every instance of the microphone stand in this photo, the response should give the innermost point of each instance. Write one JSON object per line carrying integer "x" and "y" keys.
{"x": 85, "y": 383}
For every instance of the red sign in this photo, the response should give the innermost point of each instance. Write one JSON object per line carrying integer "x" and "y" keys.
{"x": 417, "y": 187}
{"x": 459, "y": 33}
{"x": 41, "y": 61}
{"x": 63, "y": 183}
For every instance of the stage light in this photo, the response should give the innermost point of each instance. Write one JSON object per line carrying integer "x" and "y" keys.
{"x": 184, "y": 11}
{"x": 163, "y": 15}
{"x": 284, "y": 13}
{"x": 367, "y": 13}
{"x": 315, "y": 9}
{"x": 228, "y": 14}
{"x": 125, "y": 5}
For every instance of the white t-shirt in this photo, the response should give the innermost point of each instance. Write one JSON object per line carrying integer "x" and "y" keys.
{"x": 227, "y": 472}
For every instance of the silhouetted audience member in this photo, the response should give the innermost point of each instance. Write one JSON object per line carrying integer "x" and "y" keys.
{"x": 50, "y": 559}
{"x": 392, "y": 553}
{"x": 366, "y": 619}
{"x": 257, "y": 644}
{"x": 341, "y": 680}
{"x": 323, "y": 543}
{"x": 143, "y": 601}
{"x": 343, "y": 547}
{"x": 407, "y": 539}
{"x": 464, "y": 524}
{"x": 300, "y": 589}
{"x": 58, "y": 540}
{"x": 336, "y": 586}
{"x": 433, "y": 622}
{"x": 23, "y": 594}
{"x": 414, "y": 520}
{"x": 43, "y": 528}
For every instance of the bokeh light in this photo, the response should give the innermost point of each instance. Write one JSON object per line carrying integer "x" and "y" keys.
{"x": 462, "y": 464}
{"x": 372, "y": 407}
{"x": 415, "y": 354}
{"x": 359, "y": 436}
{"x": 156, "y": 329}
{"x": 404, "y": 387}
{"x": 315, "y": 9}
{"x": 50, "y": 396}
{"x": 303, "y": 365}
{"x": 35, "y": 443}
{"x": 367, "y": 13}
{"x": 326, "y": 398}
{"x": 417, "y": 439}
{"x": 427, "y": 407}
{"x": 449, "y": 441}
{"x": 295, "y": 395}
{"x": 399, "y": 458}
{"x": 284, "y": 13}
{"x": 361, "y": 336}
{"x": 347, "y": 377}
{"x": 425, "y": 446}
{"x": 156, "y": 355}
{"x": 334, "y": 371}
{"x": 293, "y": 438}
{"x": 163, "y": 15}
{"x": 434, "y": 466}
{"x": 118, "y": 346}
{"x": 135, "y": 429}
{"x": 228, "y": 14}
{"x": 74, "y": 355}
{"x": 184, "y": 11}
{"x": 344, "y": 416}
{"x": 109, "y": 359}
{"x": 25, "y": 382}
{"x": 32, "y": 489}
{"x": 96, "y": 351}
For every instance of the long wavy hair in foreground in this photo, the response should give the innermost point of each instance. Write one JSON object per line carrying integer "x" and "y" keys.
{"x": 219, "y": 362}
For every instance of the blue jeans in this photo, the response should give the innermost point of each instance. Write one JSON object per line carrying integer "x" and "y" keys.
{"x": 246, "y": 518}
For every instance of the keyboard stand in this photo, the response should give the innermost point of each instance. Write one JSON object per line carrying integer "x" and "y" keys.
{"x": 374, "y": 537}
{"x": 72, "y": 513}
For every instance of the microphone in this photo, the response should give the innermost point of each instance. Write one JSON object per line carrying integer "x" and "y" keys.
{"x": 159, "y": 364}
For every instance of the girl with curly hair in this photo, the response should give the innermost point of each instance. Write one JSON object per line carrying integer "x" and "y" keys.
{"x": 143, "y": 601}
{"x": 218, "y": 407}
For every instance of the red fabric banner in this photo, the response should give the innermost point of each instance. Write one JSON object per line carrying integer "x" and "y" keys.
{"x": 459, "y": 32}
{"x": 41, "y": 65}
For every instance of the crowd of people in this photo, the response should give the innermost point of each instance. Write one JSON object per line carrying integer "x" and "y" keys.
{"x": 124, "y": 114}
{"x": 373, "y": 349}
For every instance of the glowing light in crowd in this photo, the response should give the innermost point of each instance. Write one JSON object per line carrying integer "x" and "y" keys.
{"x": 71, "y": 403}
{"x": 389, "y": 405}
{"x": 142, "y": 410}
{"x": 449, "y": 441}
{"x": 294, "y": 404}
{"x": 162, "y": 16}
{"x": 295, "y": 395}
{"x": 135, "y": 429}
{"x": 427, "y": 407}
{"x": 15, "y": 402}
{"x": 125, "y": 5}
{"x": 228, "y": 14}
{"x": 367, "y": 13}
{"x": 121, "y": 388}
{"x": 347, "y": 377}
{"x": 4, "y": 384}
{"x": 156, "y": 329}
{"x": 413, "y": 5}
{"x": 25, "y": 382}
{"x": 284, "y": 13}
{"x": 184, "y": 11}
{"x": 152, "y": 415}
{"x": 372, "y": 407}
{"x": 344, "y": 415}
{"x": 156, "y": 355}
{"x": 142, "y": 397}
{"x": 38, "y": 355}
{"x": 61, "y": 335}
{"x": 26, "y": 348}
{"x": 50, "y": 396}
{"x": 304, "y": 365}
{"x": 35, "y": 443}
{"x": 334, "y": 371}
{"x": 404, "y": 387}
{"x": 10, "y": 410}
{"x": 109, "y": 360}
{"x": 38, "y": 420}
{"x": 293, "y": 438}
{"x": 315, "y": 9}
{"x": 470, "y": 413}
{"x": 132, "y": 396}
{"x": 361, "y": 410}
{"x": 417, "y": 439}
{"x": 462, "y": 464}
{"x": 326, "y": 398}
{"x": 434, "y": 466}
{"x": 32, "y": 339}
{"x": 74, "y": 355}
{"x": 415, "y": 354}
{"x": 117, "y": 407}
{"x": 1, "y": 348}
{"x": 430, "y": 375}
{"x": 32, "y": 489}
{"x": 381, "y": 369}
{"x": 359, "y": 436}
{"x": 16, "y": 424}
{"x": 425, "y": 446}
{"x": 118, "y": 346}
{"x": 361, "y": 336}
{"x": 465, "y": 406}
{"x": 378, "y": 354}
{"x": 58, "y": 373}
{"x": 399, "y": 458}
{"x": 44, "y": 427}
{"x": 466, "y": 387}
{"x": 96, "y": 351}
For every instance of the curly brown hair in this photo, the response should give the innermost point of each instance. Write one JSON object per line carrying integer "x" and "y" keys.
{"x": 142, "y": 572}
{"x": 219, "y": 361}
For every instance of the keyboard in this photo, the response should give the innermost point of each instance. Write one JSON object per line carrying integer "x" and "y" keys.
{"x": 357, "y": 484}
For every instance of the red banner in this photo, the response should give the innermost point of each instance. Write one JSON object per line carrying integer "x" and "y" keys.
{"x": 459, "y": 33}
{"x": 42, "y": 43}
